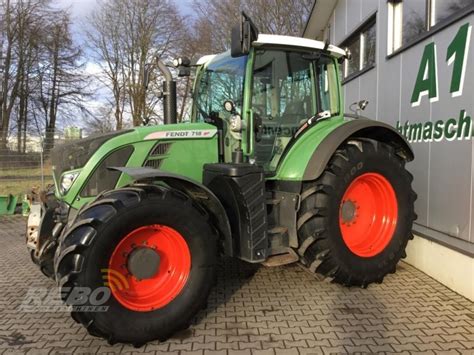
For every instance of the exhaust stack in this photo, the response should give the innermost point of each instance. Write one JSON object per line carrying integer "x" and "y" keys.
{"x": 169, "y": 94}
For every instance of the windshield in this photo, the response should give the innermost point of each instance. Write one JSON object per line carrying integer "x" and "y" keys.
{"x": 222, "y": 80}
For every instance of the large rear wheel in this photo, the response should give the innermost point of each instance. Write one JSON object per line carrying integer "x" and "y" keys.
{"x": 155, "y": 251}
{"x": 355, "y": 220}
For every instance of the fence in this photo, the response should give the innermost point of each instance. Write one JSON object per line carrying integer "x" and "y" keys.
{"x": 25, "y": 172}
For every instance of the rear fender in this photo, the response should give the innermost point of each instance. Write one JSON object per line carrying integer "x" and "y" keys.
{"x": 309, "y": 155}
{"x": 198, "y": 192}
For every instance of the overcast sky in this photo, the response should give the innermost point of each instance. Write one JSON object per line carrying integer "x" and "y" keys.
{"x": 81, "y": 8}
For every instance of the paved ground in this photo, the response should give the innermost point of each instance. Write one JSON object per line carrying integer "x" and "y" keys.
{"x": 257, "y": 311}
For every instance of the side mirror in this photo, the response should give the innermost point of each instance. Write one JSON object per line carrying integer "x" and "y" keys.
{"x": 242, "y": 36}
{"x": 358, "y": 106}
{"x": 183, "y": 65}
{"x": 362, "y": 104}
{"x": 184, "y": 72}
{"x": 229, "y": 106}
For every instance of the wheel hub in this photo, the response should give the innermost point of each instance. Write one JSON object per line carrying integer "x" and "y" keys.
{"x": 149, "y": 267}
{"x": 368, "y": 214}
{"x": 143, "y": 263}
{"x": 348, "y": 212}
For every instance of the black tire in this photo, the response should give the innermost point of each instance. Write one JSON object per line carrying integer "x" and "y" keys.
{"x": 46, "y": 262}
{"x": 322, "y": 247}
{"x": 86, "y": 247}
{"x": 45, "y": 256}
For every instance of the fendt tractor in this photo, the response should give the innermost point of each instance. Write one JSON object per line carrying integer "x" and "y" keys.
{"x": 269, "y": 170}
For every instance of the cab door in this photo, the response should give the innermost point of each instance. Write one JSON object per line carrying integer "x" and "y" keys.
{"x": 288, "y": 88}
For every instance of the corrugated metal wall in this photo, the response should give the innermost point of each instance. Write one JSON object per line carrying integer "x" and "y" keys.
{"x": 444, "y": 171}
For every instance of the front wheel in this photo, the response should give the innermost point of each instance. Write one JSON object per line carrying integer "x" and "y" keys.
{"x": 356, "y": 219}
{"x": 151, "y": 250}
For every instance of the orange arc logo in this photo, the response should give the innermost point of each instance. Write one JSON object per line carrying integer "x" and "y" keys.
{"x": 114, "y": 280}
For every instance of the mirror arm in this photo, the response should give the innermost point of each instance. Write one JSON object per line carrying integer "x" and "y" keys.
{"x": 164, "y": 70}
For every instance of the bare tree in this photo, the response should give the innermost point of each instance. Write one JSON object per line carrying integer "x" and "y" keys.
{"x": 102, "y": 121}
{"x": 62, "y": 84}
{"x": 126, "y": 35}
{"x": 217, "y": 17}
{"x": 104, "y": 38}
{"x": 40, "y": 75}
{"x": 214, "y": 22}
{"x": 9, "y": 86}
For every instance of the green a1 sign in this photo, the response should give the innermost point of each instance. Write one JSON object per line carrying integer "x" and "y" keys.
{"x": 456, "y": 55}
{"x": 459, "y": 126}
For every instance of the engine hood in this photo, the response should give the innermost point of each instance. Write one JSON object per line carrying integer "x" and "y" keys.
{"x": 75, "y": 154}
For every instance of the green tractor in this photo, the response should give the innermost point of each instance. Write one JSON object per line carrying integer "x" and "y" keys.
{"x": 269, "y": 170}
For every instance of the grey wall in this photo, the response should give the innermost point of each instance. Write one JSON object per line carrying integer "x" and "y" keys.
{"x": 444, "y": 171}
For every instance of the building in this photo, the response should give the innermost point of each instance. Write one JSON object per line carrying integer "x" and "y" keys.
{"x": 413, "y": 60}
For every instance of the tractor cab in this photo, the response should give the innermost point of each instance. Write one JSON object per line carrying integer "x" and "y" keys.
{"x": 262, "y": 99}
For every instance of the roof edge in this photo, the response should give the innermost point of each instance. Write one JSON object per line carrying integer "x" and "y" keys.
{"x": 318, "y": 19}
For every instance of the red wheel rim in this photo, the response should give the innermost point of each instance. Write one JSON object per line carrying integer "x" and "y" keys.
{"x": 368, "y": 214}
{"x": 168, "y": 281}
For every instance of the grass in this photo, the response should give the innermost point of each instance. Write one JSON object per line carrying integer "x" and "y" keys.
{"x": 25, "y": 179}
{"x": 19, "y": 187}
{"x": 20, "y": 171}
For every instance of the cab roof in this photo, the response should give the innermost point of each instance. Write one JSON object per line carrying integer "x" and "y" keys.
{"x": 290, "y": 41}
{"x": 298, "y": 42}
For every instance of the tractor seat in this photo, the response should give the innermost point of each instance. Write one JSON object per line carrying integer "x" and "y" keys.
{"x": 296, "y": 111}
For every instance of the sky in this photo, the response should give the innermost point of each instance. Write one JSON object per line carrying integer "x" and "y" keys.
{"x": 81, "y": 8}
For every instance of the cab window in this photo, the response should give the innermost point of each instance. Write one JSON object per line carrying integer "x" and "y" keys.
{"x": 221, "y": 80}
{"x": 288, "y": 88}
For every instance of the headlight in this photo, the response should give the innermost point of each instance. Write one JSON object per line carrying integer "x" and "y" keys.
{"x": 235, "y": 123}
{"x": 67, "y": 181}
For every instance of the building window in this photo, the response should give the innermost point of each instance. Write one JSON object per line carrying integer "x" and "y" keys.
{"x": 361, "y": 45}
{"x": 414, "y": 20}
{"x": 443, "y": 9}
{"x": 409, "y": 19}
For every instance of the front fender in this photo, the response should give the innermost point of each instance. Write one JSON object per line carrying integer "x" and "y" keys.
{"x": 195, "y": 190}
{"x": 309, "y": 155}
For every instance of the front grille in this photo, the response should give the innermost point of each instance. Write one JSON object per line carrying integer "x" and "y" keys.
{"x": 153, "y": 163}
{"x": 157, "y": 155}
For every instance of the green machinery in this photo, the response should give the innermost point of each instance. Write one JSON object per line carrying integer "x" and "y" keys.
{"x": 269, "y": 170}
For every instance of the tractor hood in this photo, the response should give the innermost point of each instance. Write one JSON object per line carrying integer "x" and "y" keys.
{"x": 75, "y": 154}
{"x": 81, "y": 168}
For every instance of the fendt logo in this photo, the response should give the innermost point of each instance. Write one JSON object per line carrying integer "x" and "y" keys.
{"x": 197, "y": 133}
{"x": 460, "y": 125}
